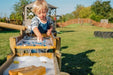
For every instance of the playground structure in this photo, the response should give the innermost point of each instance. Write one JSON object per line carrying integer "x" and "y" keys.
{"x": 23, "y": 45}
{"x": 19, "y": 50}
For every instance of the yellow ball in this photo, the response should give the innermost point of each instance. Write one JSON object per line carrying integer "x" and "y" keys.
{"x": 16, "y": 62}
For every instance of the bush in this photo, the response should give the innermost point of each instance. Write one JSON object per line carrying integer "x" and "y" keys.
{"x": 3, "y": 19}
{"x": 96, "y": 17}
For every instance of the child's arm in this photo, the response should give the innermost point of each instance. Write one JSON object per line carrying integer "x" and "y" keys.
{"x": 34, "y": 25}
{"x": 38, "y": 34}
{"x": 49, "y": 31}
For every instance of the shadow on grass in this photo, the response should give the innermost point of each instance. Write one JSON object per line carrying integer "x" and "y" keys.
{"x": 2, "y": 61}
{"x": 62, "y": 31}
{"x": 5, "y": 30}
{"x": 67, "y": 31}
{"x": 64, "y": 47}
{"x": 78, "y": 64}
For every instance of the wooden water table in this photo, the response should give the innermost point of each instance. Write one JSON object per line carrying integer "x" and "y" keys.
{"x": 21, "y": 47}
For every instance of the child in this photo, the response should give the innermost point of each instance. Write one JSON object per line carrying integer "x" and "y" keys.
{"x": 41, "y": 23}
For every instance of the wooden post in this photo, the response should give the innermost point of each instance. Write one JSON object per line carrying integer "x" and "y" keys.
{"x": 57, "y": 51}
{"x": 55, "y": 20}
{"x": 6, "y": 64}
{"x": 12, "y": 44}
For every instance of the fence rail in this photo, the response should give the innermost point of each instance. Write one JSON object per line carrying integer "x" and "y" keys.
{"x": 82, "y": 20}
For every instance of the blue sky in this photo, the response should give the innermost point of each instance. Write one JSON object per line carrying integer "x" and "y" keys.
{"x": 64, "y": 6}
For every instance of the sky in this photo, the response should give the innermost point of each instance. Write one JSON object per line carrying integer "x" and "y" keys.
{"x": 64, "y": 6}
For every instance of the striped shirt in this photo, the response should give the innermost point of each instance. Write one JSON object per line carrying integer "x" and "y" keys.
{"x": 43, "y": 27}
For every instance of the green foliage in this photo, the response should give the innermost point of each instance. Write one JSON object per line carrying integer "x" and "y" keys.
{"x": 106, "y": 8}
{"x": 96, "y": 7}
{"x": 101, "y": 10}
{"x": 85, "y": 12}
{"x": 96, "y": 17}
{"x": 19, "y": 9}
{"x": 20, "y": 6}
{"x": 67, "y": 17}
{"x": 15, "y": 16}
{"x": 12, "y": 16}
{"x": 77, "y": 11}
{"x": 3, "y": 19}
{"x": 74, "y": 14}
{"x": 110, "y": 17}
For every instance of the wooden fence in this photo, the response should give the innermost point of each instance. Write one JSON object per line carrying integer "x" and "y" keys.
{"x": 82, "y": 20}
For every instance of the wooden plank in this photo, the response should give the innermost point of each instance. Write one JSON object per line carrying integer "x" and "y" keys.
{"x": 34, "y": 47}
{"x": 53, "y": 39}
{"x": 23, "y": 54}
{"x": 57, "y": 51}
{"x": 14, "y": 40}
{"x": 9, "y": 56}
{"x": 33, "y": 71}
{"x": 64, "y": 73}
{"x": 49, "y": 55}
{"x": 12, "y": 26}
{"x": 18, "y": 38}
{"x": 57, "y": 70}
{"x": 12, "y": 44}
{"x": 15, "y": 71}
{"x": 6, "y": 64}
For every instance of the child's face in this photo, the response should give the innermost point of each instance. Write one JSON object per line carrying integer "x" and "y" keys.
{"x": 41, "y": 14}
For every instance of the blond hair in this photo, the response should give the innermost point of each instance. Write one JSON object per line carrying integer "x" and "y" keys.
{"x": 39, "y": 5}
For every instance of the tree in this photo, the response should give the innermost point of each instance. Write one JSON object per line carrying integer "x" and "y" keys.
{"x": 19, "y": 9}
{"x": 12, "y": 16}
{"x": 67, "y": 17}
{"x": 111, "y": 15}
{"x": 106, "y": 8}
{"x": 96, "y": 7}
{"x": 101, "y": 8}
{"x": 85, "y": 12}
{"x": 96, "y": 17}
{"x": 76, "y": 12}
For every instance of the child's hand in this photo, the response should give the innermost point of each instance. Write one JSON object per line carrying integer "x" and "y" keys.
{"x": 39, "y": 38}
{"x": 48, "y": 33}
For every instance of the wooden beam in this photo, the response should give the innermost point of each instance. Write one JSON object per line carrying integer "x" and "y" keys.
{"x": 12, "y": 26}
{"x": 35, "y": 47}
{"x": 6, "y": 65}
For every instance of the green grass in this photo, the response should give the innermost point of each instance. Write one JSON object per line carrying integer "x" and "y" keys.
{"x": 4, "y": 43}
{"x": 82, "y": 53}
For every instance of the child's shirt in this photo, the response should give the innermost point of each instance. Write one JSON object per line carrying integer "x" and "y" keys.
{"x": 43, "y": 27}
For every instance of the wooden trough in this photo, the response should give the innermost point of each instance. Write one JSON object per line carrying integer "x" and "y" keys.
{"x": 55, "y": 55}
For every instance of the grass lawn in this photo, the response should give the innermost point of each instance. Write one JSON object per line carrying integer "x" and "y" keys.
{"x": 82, "y": 53}
{"x": 4, "y": 43}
